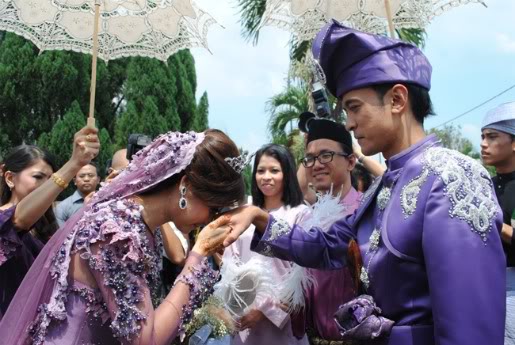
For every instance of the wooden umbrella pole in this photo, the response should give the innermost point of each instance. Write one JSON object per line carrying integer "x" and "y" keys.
{"x": 91, "y": 116}
{"x": 389, "y": 17}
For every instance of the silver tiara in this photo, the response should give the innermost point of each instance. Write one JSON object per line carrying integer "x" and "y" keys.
{"x": 239, "y": 163}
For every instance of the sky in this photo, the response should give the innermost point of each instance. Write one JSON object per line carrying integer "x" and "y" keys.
{"x": 471, "y": 49}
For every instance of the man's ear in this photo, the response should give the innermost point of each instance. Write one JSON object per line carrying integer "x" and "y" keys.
{"x": 399, "y": 99}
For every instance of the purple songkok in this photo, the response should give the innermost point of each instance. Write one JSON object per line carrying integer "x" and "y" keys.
{"x": 352, "y": 59}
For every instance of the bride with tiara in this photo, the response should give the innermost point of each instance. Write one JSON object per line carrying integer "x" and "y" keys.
{"x": 97, "y": 279}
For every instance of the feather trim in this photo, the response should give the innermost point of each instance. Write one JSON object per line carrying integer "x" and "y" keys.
{"x": 244, "y": 283}
{"x": 326, "y": 211}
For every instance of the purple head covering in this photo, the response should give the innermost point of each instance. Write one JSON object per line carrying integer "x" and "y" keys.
{"x": 352, "y": 59}
{"x": 167, "y": 155}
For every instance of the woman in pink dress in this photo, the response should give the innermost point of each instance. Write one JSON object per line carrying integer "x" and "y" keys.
{"x": 97, "y": 280}
{"x": 274, "y": 188}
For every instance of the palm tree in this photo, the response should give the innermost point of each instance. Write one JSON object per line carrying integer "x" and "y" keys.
{"x": 284, "y": 109}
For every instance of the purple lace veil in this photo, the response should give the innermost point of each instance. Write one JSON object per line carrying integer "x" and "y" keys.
{"x": 167, "y": 155}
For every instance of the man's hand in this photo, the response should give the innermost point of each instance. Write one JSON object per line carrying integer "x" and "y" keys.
{"x": 210, "y": 239}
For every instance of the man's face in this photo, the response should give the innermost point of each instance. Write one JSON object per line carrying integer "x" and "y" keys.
{"x": 336, "y": 172}
{"x": 86, "y": 179}
{"x": 371, "y": 120}
{"x": 497, "y": 147}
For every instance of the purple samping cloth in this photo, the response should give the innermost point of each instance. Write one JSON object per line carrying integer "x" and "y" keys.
{"x": 352, "y": 59}
{"x": 18, "y": 251}
{"x": 439, "y": 270}
{"x": 361, "y": 319}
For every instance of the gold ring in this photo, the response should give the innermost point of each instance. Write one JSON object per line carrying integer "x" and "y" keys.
{"x": 89, "y": 137}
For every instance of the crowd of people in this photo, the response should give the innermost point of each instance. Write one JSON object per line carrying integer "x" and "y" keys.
{"x": 334, "y": 250}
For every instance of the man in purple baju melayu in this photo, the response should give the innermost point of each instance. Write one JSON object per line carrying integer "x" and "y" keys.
{"x": 428, "y": 229}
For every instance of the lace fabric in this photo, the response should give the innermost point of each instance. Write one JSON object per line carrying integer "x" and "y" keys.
{"x": 127, "y": 28}
{"x": 305, "y": 18}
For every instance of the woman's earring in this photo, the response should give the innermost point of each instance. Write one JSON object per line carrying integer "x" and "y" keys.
{"x": 183, "y": 203}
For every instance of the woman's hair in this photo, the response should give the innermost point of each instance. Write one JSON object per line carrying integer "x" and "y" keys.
{"x": 18, "y": 159}
{"x": 292, "y": 194}
{"x": 210, "y": 177}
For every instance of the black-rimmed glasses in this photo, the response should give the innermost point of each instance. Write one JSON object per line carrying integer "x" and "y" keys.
{"x": 323, "y": 158}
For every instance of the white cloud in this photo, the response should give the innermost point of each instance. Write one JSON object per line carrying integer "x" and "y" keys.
{"x": 505, "y": 43}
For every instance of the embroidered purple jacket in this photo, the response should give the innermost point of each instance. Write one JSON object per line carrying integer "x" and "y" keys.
{"x": 439, "y": 271}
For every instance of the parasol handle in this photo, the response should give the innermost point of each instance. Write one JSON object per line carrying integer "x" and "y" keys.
{"x": 389, "y": 17}
{"x": 91, "y": 116}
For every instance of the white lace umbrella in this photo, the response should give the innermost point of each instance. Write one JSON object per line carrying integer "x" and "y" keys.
{"x": 108, "y": 29}
{"x": 304, "y": 18}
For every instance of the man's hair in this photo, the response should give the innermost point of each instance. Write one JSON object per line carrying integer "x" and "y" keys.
{"x": 93, "y": 164}
{"x": 420, "y": 101}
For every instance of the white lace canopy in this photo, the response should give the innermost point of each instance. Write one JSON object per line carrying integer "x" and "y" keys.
{"x": 153, "y": 28}
{"x": 304, "y": 18}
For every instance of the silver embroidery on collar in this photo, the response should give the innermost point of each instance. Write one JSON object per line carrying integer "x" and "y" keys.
{"x": 410, "y": 192}
{"x": 383, "y": 197}
{"x": 467, "y": 185}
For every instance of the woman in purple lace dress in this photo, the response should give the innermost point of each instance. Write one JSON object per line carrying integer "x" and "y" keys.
{"x": 97, "y": 280}
{"x": 26, "y": 219}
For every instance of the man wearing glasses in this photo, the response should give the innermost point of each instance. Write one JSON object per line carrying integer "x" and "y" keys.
{"x": 328, "y": 163}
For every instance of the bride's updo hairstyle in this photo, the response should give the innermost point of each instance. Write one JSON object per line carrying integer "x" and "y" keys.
{"x": 209, "y": 176}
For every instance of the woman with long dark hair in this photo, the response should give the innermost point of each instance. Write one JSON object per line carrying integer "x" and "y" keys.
{"x": 26, "y": 218}
{"x": 275, "y": 189}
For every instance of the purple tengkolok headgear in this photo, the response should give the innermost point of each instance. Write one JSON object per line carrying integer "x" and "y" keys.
{"x": 352, "y": 59}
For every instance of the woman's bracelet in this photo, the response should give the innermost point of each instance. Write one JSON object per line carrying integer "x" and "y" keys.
{"x": 58, "y": 180}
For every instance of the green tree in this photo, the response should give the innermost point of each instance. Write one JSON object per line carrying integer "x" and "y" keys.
{"x": 37, "y": 89}
{"x": 5, "y": 145}
{"x": 181, "y": 65}
{"x": 140, "y": 118}
{"x": 247, "y": 179}
{"x": 59, "y": 141}
{"x": 202, "y": 117}
{"x": 284, "y": 109}
{"x": 451, "y": 138}
{"x": 106, "y": 151}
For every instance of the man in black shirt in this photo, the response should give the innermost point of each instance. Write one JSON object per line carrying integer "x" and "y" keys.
{"x": 498, "y": 150}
